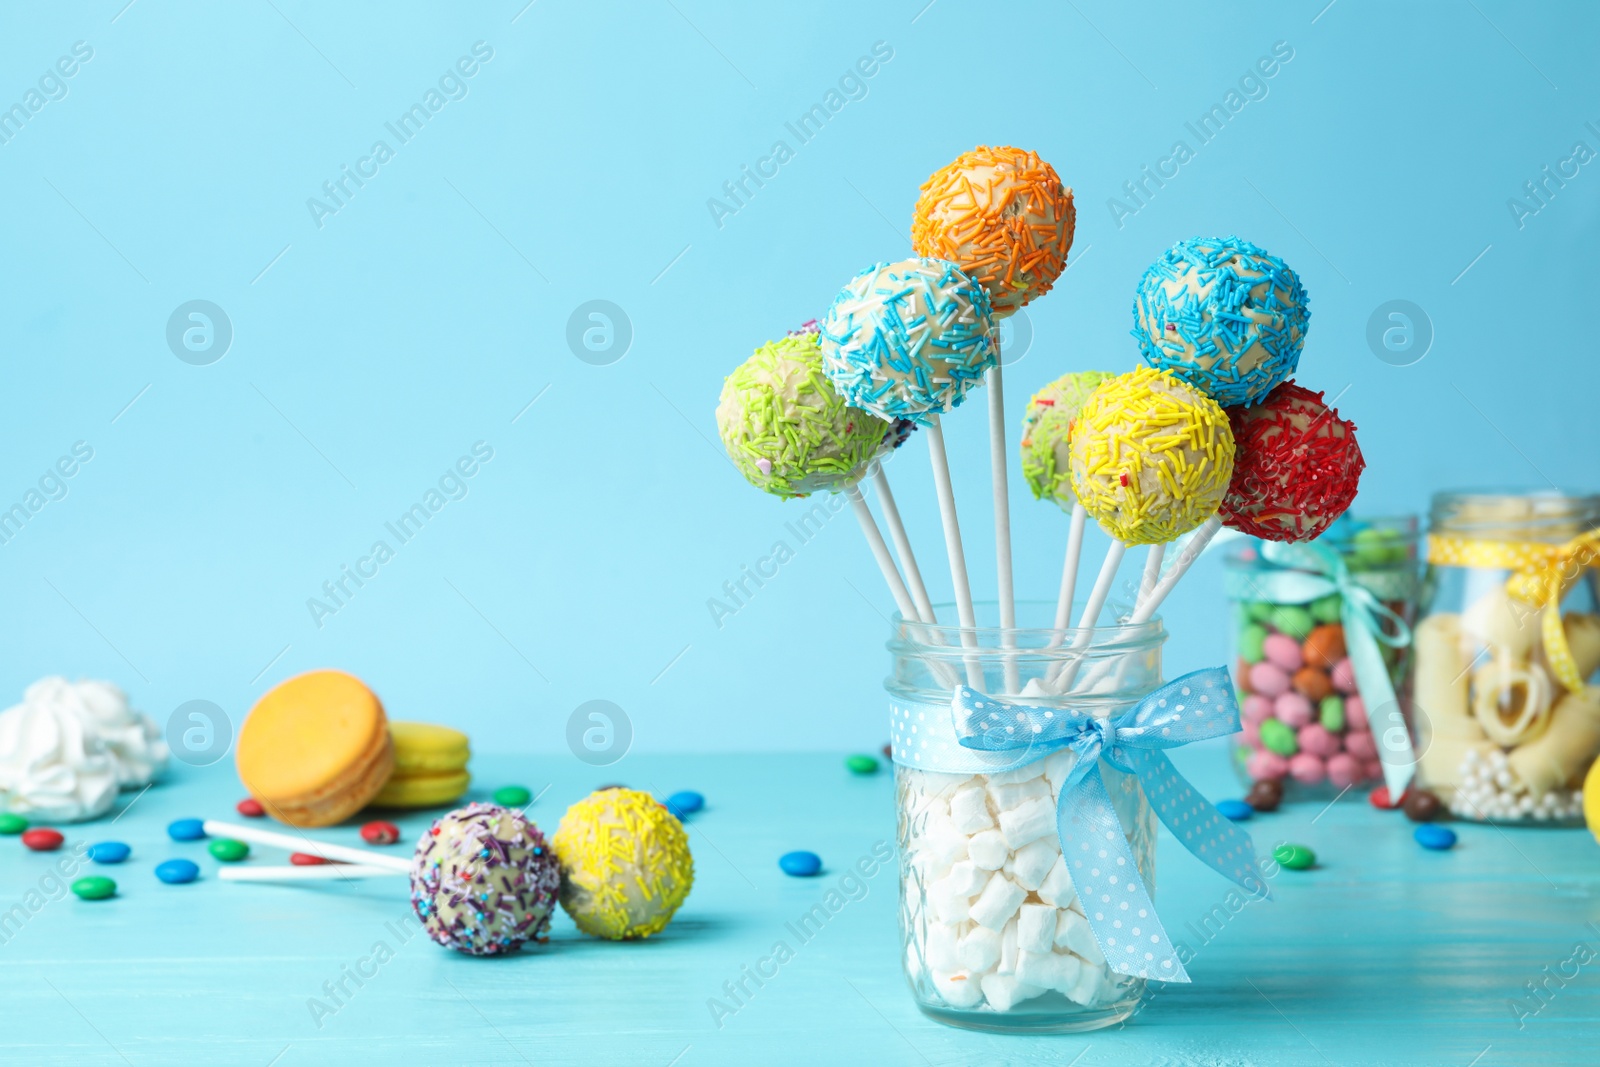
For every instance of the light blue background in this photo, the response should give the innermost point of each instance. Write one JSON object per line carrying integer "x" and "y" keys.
{"x": 370, "y": 353}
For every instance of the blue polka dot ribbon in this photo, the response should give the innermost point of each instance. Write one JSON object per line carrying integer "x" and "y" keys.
{"x": 1093, "y": 840}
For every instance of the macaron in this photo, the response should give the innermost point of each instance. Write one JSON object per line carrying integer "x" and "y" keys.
{"x": 315, "y": 749}
{"x": 430, "y": 766}
{"x": 422, "y": 790}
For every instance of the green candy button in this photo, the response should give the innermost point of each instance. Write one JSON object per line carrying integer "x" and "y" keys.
{"x": 1326, "y": 609}
{"x": 1294, "y": 857}
{"x": 12, "y": 824}
{"x": 1331, "y": 713}
{"x": 1258, "y": 610}
{"x": 512, "y": 796}
{"x": 228, "y": 850}
{"x": 1291, "y": 620}
{"x": 861, "y": 765}
{"x": 95, "y": 887}
{"x": 1252, "y": 641}
{"x": 1277, "y": 737}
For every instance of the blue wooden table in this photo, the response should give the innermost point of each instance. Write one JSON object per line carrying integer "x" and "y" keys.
{"x": 1384, "y": 954}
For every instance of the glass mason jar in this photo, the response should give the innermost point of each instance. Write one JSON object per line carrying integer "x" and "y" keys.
{"x": 1304, "y": 717}
{"x": 994, "y": 937}
{"x": 1508, "y": 720}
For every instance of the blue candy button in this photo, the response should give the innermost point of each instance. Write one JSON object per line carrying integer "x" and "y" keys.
{"x": 685, "y": 803}
{"x": 800, "y": 864}
{"x": 1431, "y": 835}
{"x": 109, "y": 852}
{"x": 177, "y": 872}
{"x": 186, "y": 829}
{"x": 1237, "y": 810}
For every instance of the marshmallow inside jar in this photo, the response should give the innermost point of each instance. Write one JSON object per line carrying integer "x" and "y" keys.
{"x": 996, "y": 937}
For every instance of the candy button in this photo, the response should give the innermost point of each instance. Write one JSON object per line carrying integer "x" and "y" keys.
{"x": 1327, "y": 609}
{"x": 1434, "y": 836}
{"x": 1331, "y": 713}
{"x": 228, "y": 850}
{"x": 1237, "y": 810}
{"x": 1421, "y": 805}
{"x": 250, "y": 808}
{"x": 1283, "y": 651}
{"x": 42, "y": 839}
{"x": 513, "y": 796}
{"x": 800, "y": 864}
{"x": 94, "y": 887}
{"x": 177, "y": 872}
{"x": 387, "y": 833}
{"x": 1294, "y": 621}
{"x": 1265, "y": 795}
{"x": 109, "y": 852}
{"x": 1294, "y": 857}
{"x": 686, "y": 802}
{"x": 186, "y": 829}
{"x": 888, "y": 753}
{"x": 306, "y": 859}
{"x": 1252, "y": 642}
{"x": 1379, "y": 798}
{"x": 12, "y": 824}
{"x": 1278, "y": 737}
{"x": 861, "y": 765}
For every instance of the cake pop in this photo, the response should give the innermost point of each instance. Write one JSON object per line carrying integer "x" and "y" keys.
{"x": 787, "y": 429}
{"x": 1150, "y": 457}
{"x": 908, "y": 339}
{"x": 1003, "y": 216}
{"x": 1225, "y": 316}
{"x": 484, "y": 881}
{"x": 1047, "y": 433}
{"x": 1297, "y": 468}
{"x": 626, "y": 864}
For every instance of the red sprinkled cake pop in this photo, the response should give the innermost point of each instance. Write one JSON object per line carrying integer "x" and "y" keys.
{"x": 1297, "y": 467}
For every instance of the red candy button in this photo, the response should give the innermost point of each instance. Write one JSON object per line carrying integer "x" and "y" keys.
{"x": 42, "y": 840}
{"x": 305, "y": 859}
{"x": 250, "y": 808}
{"x": 380, "y": 833}
{"x": 1380, "y": 798}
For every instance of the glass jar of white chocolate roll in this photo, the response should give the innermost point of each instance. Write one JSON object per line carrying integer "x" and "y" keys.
{"x": 994, "y": 936}
{"x": 1505, "y": 705}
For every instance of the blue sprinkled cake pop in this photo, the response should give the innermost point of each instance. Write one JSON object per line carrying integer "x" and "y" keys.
{"x": 907, "y": 340}
{"x": 1225, "y": 316}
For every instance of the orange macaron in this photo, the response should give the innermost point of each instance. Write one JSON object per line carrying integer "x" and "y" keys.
{"x": 315, "y": 749}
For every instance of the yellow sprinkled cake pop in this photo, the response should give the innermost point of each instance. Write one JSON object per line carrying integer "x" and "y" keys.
{"x": 1151, "y": 457}
{"x": 625, "y": 864}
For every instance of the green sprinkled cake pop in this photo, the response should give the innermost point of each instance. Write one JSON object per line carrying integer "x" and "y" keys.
{"x": 1047, "y": 431}
{"x": 787, "y": 429}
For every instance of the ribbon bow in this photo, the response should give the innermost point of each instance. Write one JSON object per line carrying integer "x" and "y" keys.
{"x": 1310, "y": 571}
{"x": 1093, "y": 840}
{"x": 1541, "y": 574}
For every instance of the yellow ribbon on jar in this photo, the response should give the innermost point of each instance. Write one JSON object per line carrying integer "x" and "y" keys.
{"x": 1541, "y": 573}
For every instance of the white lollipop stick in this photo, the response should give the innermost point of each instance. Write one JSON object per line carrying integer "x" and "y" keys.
{"x": 296, "y": 843}
{"x": 902, "y": 546}
{"x": 1091, "y": 610}
{"x": 1002, "y": 521}
{"x": 1147, "y": 606}
{"x": 952, "y": 545}
{"x": 1069, "y": 569}
{"x": 326, "y": 873}
{"x": 1152, "y": 572}
{"x": 880, "y": 552}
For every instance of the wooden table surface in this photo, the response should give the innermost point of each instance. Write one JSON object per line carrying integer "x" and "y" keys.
{"x": 1384, "y": 954}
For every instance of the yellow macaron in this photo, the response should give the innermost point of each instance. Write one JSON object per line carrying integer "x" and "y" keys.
{"x": 422, "y": 790}
{"x": 315, "y": 749}
{"x": 423, "y": 748}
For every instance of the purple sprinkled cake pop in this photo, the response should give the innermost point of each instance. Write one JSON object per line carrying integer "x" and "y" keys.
{"x": 483, "y": 880}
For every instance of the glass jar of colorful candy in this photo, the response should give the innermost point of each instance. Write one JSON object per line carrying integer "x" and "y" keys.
{"x": 1505, "y": 704}
{"x": 1310, "y": 688}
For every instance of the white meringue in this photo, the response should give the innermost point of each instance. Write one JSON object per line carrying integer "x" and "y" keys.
{"x": 69, "y": 747}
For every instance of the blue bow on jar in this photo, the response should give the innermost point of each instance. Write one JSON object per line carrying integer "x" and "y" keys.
{"x": 1093, "y": 840}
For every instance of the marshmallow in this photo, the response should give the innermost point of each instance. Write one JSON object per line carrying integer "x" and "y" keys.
{"x": 945, "y": 843}
{"x": 1008, "y": 949}
{"x": 958, "y": 989}
{"x": 1057, "y": 766}
{"x": 1030, "y": 821}
{"x": 1057, "y": 885}
{"x": 1036, "y": 930}
{"x": 1015, "y": 775}
{"x": 1004, "y": 992}
{"x": 940, "y": 947}
{"x": 1052, "y": 970}
{"x": 965, "y": 879}
{"x": 969, "y": 809}
{"x": 997, "y": 903}
{"x": 1073, "y": 934}
{"x": 1030, "y": 864}
{"x": 1089, "y": 986}
{"x": 979, "y": 949}
{"x": 1008, "y": 795}
{"x": 987, "y": 849}
{"x": 948, "y": 906}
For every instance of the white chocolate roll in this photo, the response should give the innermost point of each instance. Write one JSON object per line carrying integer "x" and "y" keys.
{"x": 1511, "y": 701}
{"x": 1567, "y": 746}
{"x": 1445, "y": 726}
{"x": 1503, "y": 624}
